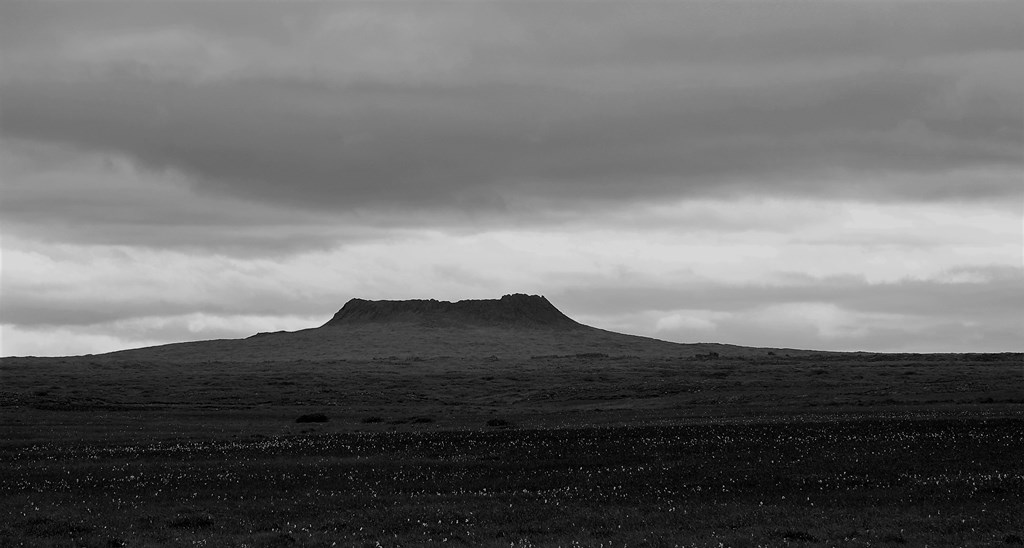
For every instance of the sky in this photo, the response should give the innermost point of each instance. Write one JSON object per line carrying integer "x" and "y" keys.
{"x": 821, "y": 175}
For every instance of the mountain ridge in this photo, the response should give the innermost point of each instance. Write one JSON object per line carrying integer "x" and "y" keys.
{"x": 516, "y": 326}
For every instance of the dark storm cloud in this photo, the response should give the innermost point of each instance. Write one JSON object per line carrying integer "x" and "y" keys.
{"x": 222, "y": 227}
{"x": 651, "y": 102}
{"x": 52, "y": 193}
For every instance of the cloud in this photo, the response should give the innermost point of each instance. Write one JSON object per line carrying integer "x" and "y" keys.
{"x": 683, "y": 321}
{"x": 489, "y": 110}
{"x": 824, "y": 327}
{"x": 873, "y": 278}
{"x": 690, "y": 252}
{"x": 56, "y": 193}
{"x": 972, "y": 309}
{"x": 442, "y": 147}
{"x": 968, "y": 292}
{"x": 68, "y": 285}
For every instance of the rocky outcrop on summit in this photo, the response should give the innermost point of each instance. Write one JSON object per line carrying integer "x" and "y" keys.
{"x": 518, "y": 310}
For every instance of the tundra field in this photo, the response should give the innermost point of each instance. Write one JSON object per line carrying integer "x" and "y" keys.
{"x": 758, "y": 449}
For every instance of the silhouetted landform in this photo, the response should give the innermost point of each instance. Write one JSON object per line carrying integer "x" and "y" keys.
{"x": 428, "y": 411}
{"x": 518, "y": 310}
{"x": 513, "y": 327}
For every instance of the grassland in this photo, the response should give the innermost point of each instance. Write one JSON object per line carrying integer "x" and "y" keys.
{"x": 760, "y": 449}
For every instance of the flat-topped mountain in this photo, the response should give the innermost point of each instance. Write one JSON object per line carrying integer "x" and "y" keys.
{"x": 515, "y": 326}
{"x": 517, "y": 311}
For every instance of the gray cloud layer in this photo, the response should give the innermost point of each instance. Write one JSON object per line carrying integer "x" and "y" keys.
{"x": 501, "y": 106}
{"x": 981, "y": 314}
{"x": 996, "y": 293}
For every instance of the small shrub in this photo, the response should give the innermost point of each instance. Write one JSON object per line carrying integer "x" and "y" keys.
{"x": 421, "y": 420}
{"x": 191, "y": 521}
{"x": 1013, "y": 539}
{"x": 791, "y": 534}
{"x": 312, "y": 417}
{"x": 894, "y": 538}
{"x": 498, "y": 423}
{"x": 369, "y": 420}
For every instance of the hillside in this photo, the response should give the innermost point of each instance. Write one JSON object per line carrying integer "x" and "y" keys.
{"x": 515, "y": 326}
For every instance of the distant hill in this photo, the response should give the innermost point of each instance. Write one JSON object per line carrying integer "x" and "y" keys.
{"x": 515, "y": 326}
{"x": 515, "y": 311}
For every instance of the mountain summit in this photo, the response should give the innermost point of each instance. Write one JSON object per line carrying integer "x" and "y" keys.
{"x": 517, "y": 311}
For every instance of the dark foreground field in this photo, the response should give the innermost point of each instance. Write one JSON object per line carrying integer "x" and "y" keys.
{"x": 891, "y": 480}
{"x": 573, "y": 451}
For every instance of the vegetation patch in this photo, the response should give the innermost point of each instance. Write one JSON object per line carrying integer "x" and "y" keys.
{"x": 734, "y": 483}
{"x": 46, "y": 526}
{"x": 893, "y": 538}
{"x": 191, "y": 520}
{"x": 312, "y": 417}
{"x": 795, "y": 535}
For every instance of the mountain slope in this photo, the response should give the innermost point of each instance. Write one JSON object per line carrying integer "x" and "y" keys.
{"x": 515, "y": 326}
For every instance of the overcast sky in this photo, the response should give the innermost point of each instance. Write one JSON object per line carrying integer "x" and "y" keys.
{"x": 826, "y": 175}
